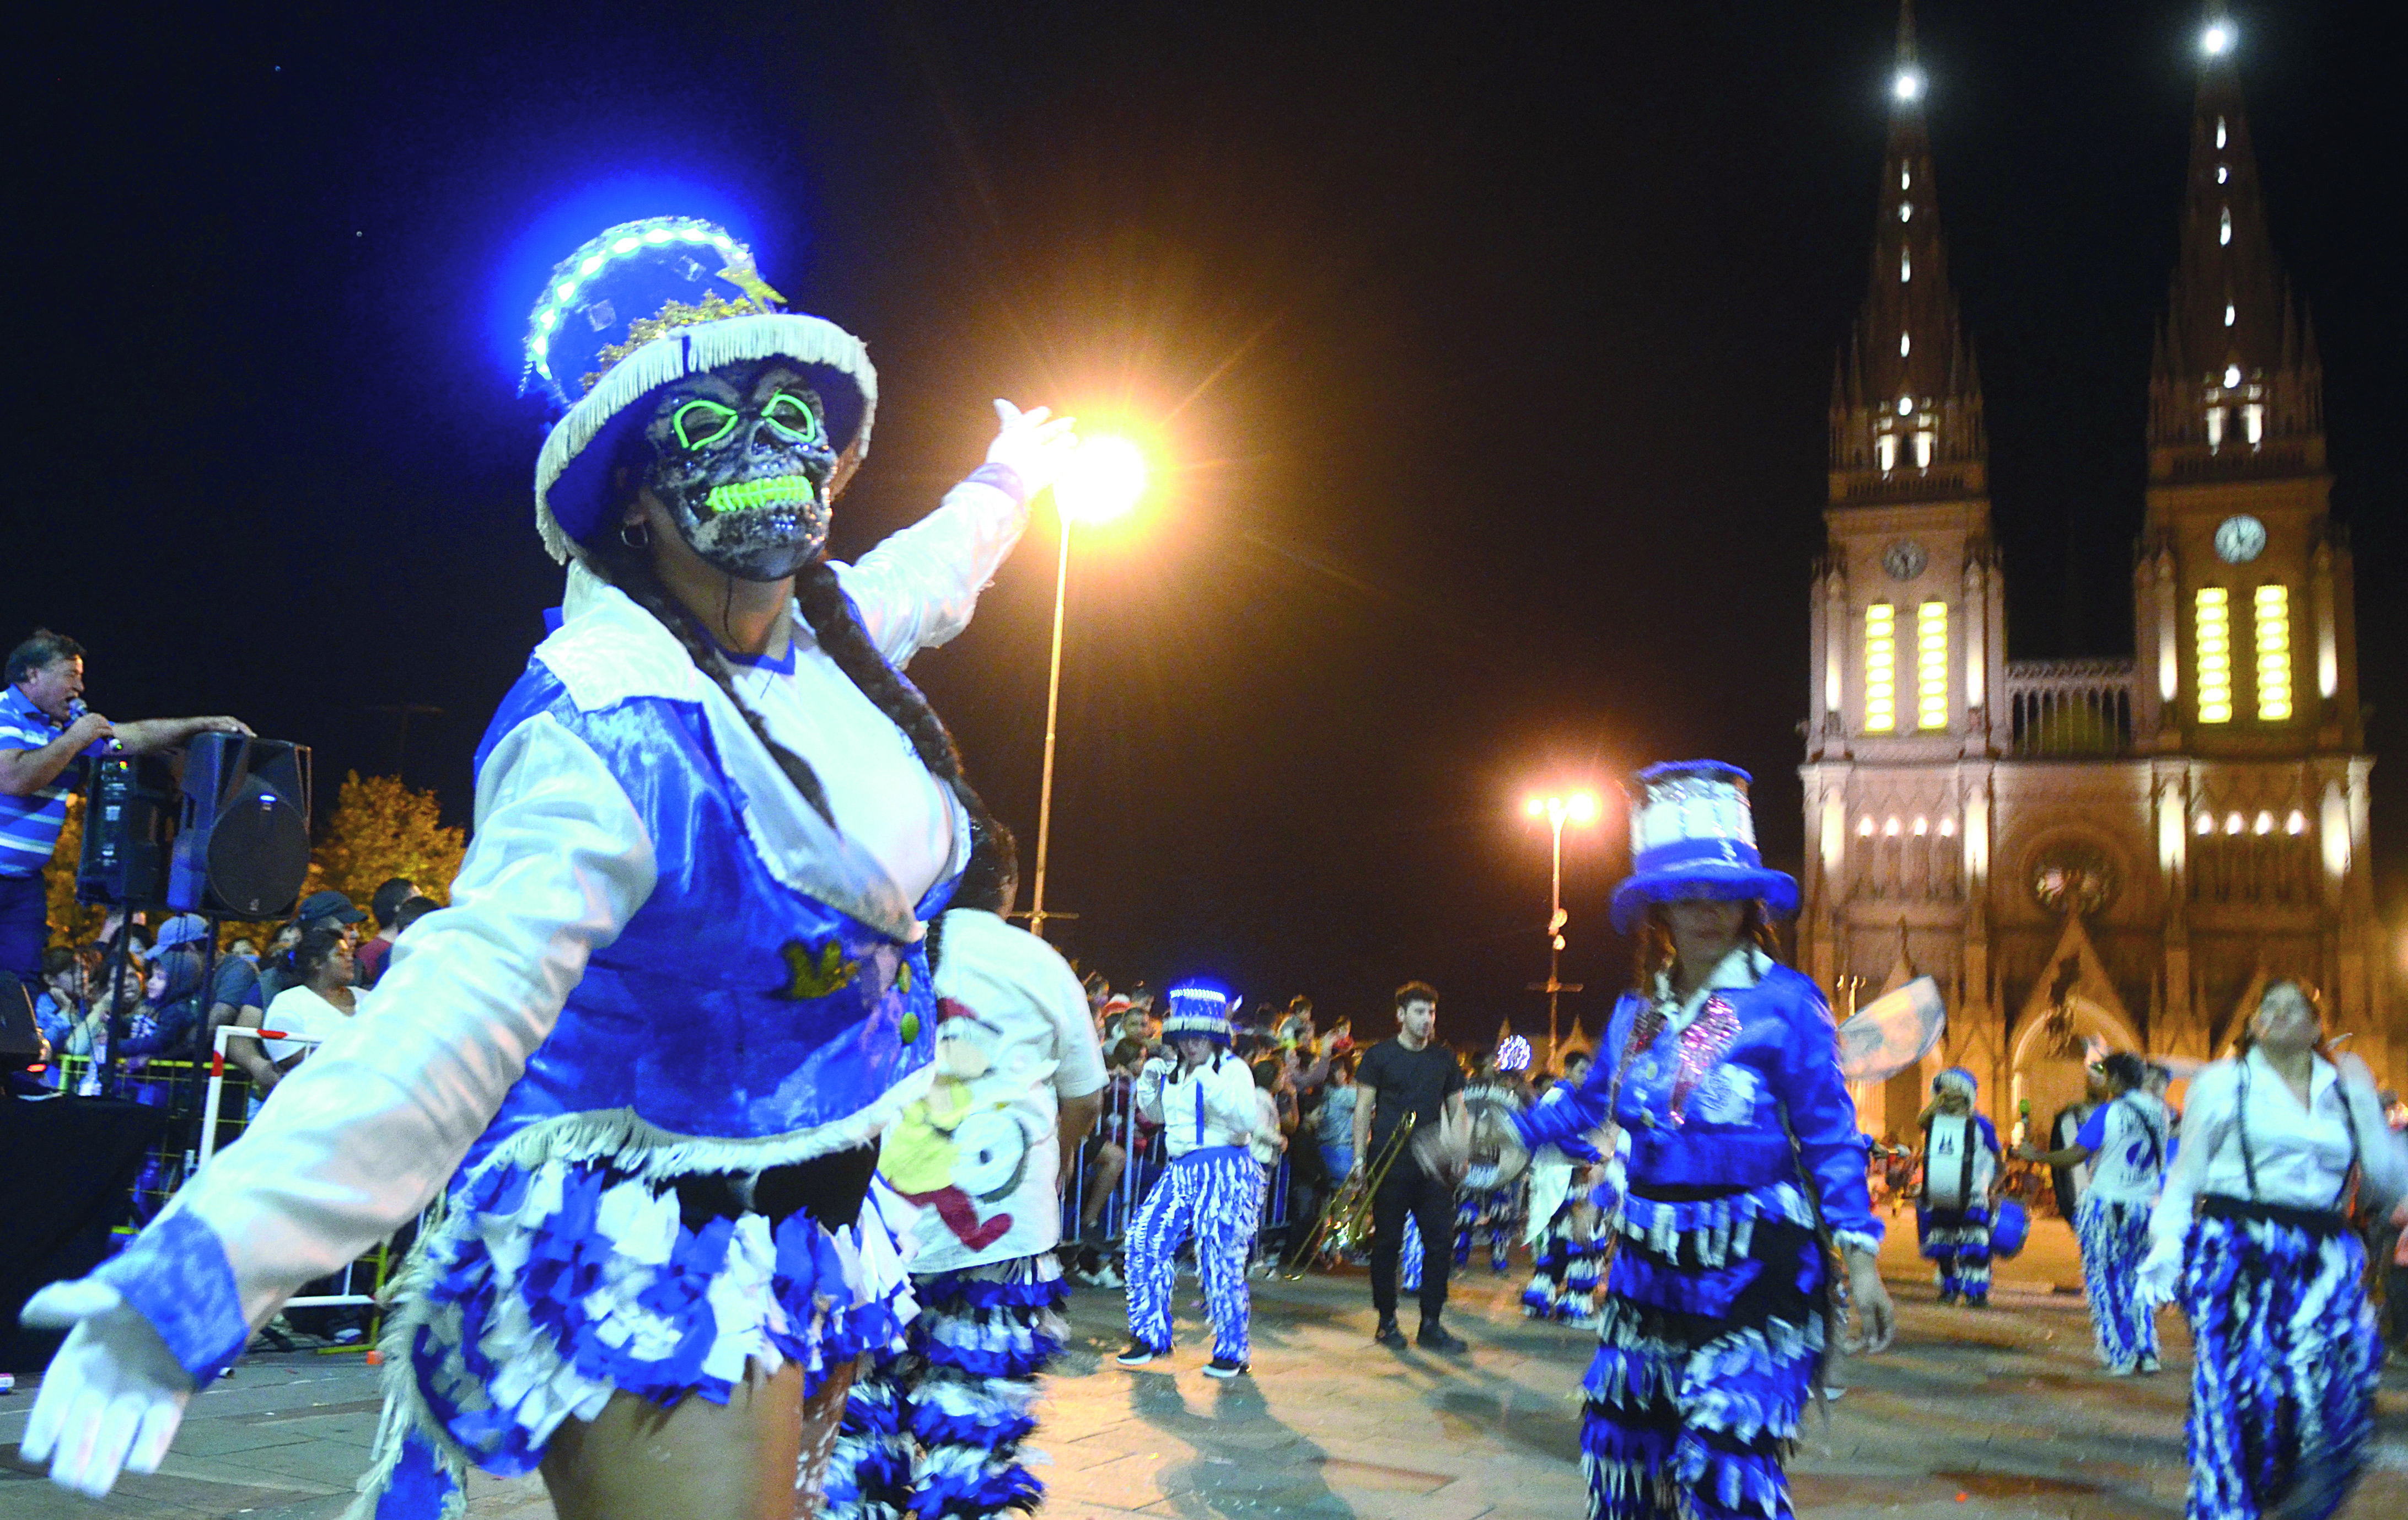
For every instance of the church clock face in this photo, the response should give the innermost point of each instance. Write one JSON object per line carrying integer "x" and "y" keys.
{"x": 2240, "y": 539}
{"x": 1905, "y": 560}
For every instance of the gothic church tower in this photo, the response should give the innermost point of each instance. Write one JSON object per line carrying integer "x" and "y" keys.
{"x": 2107, "y": 849}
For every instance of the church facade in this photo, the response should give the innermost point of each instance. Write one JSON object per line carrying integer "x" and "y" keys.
{"x": 2114, "y": 849}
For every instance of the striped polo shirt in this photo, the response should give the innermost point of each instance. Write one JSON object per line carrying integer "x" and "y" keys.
{"x": 29, "y": 825}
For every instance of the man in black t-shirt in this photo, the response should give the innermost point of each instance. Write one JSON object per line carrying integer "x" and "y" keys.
{"x": 1409, "y": 1075}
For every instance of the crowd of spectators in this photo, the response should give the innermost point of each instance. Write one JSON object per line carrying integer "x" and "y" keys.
{"x": 172, "y": 994}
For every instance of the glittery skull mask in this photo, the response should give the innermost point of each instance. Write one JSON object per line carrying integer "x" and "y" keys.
{"x": 741, "y": 459}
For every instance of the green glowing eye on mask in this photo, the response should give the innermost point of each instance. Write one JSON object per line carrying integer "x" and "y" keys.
{"x": 701, "y": 424}
{"x": 792, "y": 419}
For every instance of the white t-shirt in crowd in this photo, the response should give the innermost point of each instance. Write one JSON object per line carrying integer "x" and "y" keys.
{"x": 298, "y": 1010}
{"x": 2126, "y": 1141}
{"x": 981, "y": 1153}
{"x": 1265, "y": 1143}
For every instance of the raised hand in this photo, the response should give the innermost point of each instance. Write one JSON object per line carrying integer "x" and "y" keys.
{"x": 1033, "y": 444}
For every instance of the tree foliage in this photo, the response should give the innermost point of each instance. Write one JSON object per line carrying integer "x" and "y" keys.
{"x": 381, "y": 829}
{"x": 71, "y": 923}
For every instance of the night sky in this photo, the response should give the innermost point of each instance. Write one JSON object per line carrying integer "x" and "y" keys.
{"x": 1486, "y": 355}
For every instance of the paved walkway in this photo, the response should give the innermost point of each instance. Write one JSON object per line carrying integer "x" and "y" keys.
{"x": 2001, "y": 1413}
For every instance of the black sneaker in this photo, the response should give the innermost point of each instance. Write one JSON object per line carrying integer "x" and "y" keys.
{"x": 1220, "y": 1366}
{"x": 1137, "y": 1354}
{"x": 1389, "y": 1335}
{"x": 1948, "y": 1296}
{"x": 1435, "y": 1337}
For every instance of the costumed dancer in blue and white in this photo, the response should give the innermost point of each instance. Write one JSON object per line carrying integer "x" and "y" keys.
{"x": 1212, "y": 1189}
{"x": 1961, "y": 1184}
{"x": 1487, "y": 1205}
{"x": 1717, "y": 1093}
{"x": 1020, "y": 1078}
{"x": 682, "y": 984}
{"x": 1567, "y": 1249}
{"x": 2253, "y": 1239}
{"x": 2123, "y": 1146}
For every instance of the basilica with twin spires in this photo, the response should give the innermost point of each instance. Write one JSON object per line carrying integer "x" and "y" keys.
{"x": 2116, "y": 849}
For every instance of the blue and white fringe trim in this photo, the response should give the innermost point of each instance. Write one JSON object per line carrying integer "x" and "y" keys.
{"x": 2285, "y": 1359}
{"x": 938, "y": 1430}
{"x": 548, "y": 1286}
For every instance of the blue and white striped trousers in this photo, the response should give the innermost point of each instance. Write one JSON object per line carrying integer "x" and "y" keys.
{"x": 2114, "y": 1237}
{"x": 1216, "y": 1196}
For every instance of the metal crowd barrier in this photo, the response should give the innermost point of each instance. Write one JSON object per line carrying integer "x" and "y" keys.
{"x": 1141, "y": 1143}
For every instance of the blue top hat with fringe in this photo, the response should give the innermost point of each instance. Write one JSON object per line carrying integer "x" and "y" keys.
{"x": 643, "y": 304}
{"x": 1198, "y": 1010}
{"x": 1693, "y": 836}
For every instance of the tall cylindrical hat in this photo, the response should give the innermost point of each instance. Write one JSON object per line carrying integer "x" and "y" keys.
{"x": 1693, "y": 836}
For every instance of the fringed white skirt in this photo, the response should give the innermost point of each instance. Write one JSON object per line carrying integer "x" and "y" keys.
{"x": 549, "y": 1286}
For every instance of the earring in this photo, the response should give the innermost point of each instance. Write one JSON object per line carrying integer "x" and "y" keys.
{"x": 636, "y": 535}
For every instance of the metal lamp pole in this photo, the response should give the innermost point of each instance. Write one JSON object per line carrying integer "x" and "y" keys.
{"x": 1037, "y": 915}
{"x": 1579, "y": 808}
{"x": 1105, "y": 479}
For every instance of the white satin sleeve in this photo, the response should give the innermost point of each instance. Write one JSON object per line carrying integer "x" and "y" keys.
{"x": 2208, "y": 1110}
{"x": 369, "y": 1129}
{"x": 917, "y": 589}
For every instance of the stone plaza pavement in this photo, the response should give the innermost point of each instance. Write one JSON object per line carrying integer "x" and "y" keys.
{"x": 2002, "y": 1414}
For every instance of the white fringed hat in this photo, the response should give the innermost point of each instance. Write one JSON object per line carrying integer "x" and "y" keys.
{"x": 646, "y": 304}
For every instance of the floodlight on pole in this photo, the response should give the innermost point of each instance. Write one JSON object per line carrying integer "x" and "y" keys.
{"x": 2217, "y": 40}
{"x": 1104, "y": 479}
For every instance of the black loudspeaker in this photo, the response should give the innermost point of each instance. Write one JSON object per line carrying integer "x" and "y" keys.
{"x": 19, "y": 1037}
{"x": 242, "y": 840}
{"x": 128, "y": 818}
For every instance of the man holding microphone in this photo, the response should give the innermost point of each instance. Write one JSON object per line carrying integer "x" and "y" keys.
{"x": 44, "y": 729}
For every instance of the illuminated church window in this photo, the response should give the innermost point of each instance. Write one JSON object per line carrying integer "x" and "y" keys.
{"x": 1923, "y": 450}
{"x": 2215, "y": 427}
{"x": 2253, "y": 423}
{"x": 2231, "y": 376}
{"x": 1906, "y": 211}
{"x": 1881, "y": 668}
{"x": 1885, "y": 451}
{"x": 1905, "y": 266}
{"x": 2223, "y": 230}
{"x": 2228, "y": 313}
{"x": 2222, "y": 174}
{"x": 1931, "y": 663}
{"x": 1905, "y": 344}
{"x": 2219, "y": 132}
{"x": 1906, "y": 178}
{"x": 2274, "y": 642}
{"x": 2213, "y": 633}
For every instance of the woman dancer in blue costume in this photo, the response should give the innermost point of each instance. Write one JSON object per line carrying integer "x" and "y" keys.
{"x": 2253, "y": 1238}
{"x": 682, "y": 983}
{"x": 1733, "y": 1145}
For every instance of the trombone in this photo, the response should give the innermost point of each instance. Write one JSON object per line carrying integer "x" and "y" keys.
{"x": 1345, "y": 1221}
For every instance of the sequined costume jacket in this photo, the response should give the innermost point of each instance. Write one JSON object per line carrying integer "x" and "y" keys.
{"x": 1701, "y": 1105}
{"x": 657, "y": 953}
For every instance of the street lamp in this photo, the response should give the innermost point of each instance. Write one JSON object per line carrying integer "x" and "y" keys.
{"x": 1572, "y": 808}
{"x": 1104, "y": 479}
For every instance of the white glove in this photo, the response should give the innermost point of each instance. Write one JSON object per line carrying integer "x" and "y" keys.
{"x": 1157, "y": 1067}
{"x": 113, "y": 1395}
{"x": 1030, "y": 446}
{"x": 2160, "y": 1277}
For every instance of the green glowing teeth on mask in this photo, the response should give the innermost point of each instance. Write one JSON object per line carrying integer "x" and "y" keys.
{"x": 750, "y": 495}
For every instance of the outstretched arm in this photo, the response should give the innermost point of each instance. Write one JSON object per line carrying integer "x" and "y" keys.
{"x": 917, "y": 589}
{"x": 366, "y": 1133}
